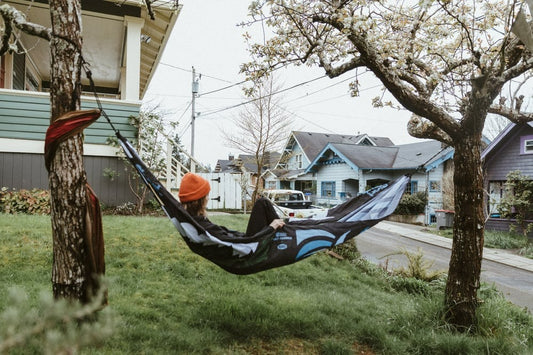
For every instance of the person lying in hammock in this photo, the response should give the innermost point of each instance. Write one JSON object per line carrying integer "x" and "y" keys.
{"x": 193, "y": 195}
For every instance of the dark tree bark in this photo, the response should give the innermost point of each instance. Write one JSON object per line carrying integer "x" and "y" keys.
{"x": 468, "y": 230}
{"x": 67, "y": 176}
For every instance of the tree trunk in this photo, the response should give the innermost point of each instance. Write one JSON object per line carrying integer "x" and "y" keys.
{"x": 67, "y": 176}
{"x": 468, "y": 231}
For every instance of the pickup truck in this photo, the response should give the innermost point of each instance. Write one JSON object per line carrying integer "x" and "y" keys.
{"x": 292, "y": 203}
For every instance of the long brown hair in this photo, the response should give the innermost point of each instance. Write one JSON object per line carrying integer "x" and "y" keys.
{"x": 196, "y": 207}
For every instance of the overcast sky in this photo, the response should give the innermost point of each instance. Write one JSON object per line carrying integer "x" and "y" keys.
{"x": 207, "y": 37}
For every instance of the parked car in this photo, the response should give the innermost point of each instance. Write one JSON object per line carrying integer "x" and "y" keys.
{"x": 292, "y": 203}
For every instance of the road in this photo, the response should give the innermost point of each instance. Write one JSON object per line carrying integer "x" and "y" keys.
{"x": 377, "y": 245}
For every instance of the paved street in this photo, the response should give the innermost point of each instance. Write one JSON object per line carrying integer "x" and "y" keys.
{"x": 513, "y": 275}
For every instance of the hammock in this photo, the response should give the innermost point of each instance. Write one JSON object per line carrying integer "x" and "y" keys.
{"x": 298, "y": 239}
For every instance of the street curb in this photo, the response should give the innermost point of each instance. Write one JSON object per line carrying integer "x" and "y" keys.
{"x": 488, "y": 254}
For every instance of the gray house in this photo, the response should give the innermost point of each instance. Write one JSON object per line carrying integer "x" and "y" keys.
{"x": 302, "y": 148}
{"x": 511, "y": 150}
{"x": 123, "y": 46}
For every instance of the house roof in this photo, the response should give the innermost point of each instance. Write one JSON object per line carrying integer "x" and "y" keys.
{"x": 104, "y": 37}
{"x": 500, "y": 137}
{"x": 312, "y": 143}
{"x": 425, "y": 155}
{"x": 246, "y": 161}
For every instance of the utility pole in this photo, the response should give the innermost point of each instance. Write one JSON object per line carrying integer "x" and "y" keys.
{"x": 195, "y": 86}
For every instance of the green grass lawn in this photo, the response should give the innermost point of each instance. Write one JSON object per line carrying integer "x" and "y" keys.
{"x": 166, "y": 300}
{"x": 499, "y": 240}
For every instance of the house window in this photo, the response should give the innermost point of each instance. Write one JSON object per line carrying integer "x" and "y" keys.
{"x": 412, "y": 188}
{"x": 19, "y": 71}
{"x": 270, "y": 185}
{"x": 434, "y": 186}
{"x": 526, "y": 145}
{"x": 298, "y": 159}
{"x": 328, "y": 189}
{"x": 25, "y": 76}
{"x": 496, "y": 193}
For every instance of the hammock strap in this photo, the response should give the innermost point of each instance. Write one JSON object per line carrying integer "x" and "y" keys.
{"x": 88, "y": 73}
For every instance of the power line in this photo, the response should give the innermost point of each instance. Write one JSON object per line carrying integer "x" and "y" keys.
{"x": 262, "y": 97}
{"x": 190, "y": 71}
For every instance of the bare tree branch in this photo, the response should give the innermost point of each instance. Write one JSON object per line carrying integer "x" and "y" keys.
{"x": 14, "y": 18}
{"x": 512, "y": 115}
{"x": 334, "y": 72}
{"x": 421, "y": 128}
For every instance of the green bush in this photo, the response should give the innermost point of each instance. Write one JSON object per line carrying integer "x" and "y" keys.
{"x": 34, "y": 201}
{"x": 412, "y": 204}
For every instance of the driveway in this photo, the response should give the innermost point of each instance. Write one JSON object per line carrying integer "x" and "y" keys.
{"x": 511, "y": 274}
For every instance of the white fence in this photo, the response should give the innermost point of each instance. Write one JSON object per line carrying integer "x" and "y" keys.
{"x": 227, "y": 190}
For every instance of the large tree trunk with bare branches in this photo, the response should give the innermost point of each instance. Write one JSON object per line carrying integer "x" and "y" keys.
{"x": 67, "y": 176}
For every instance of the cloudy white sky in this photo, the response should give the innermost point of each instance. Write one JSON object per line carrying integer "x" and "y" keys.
{"x": 206, "y": 37}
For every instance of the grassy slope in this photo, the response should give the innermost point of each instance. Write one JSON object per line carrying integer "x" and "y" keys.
{"x": 168, "y": 300}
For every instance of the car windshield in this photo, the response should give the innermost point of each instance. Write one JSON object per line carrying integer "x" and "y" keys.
{"x": 288, "y": 197}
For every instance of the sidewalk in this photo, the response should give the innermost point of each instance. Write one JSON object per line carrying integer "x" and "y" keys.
{"x": 414, "y": 232}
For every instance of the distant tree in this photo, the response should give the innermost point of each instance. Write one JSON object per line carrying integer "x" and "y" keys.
{"x": 445, "y": 61}
{"x": 261, "y": 127}
{"x": 151, "y": 144}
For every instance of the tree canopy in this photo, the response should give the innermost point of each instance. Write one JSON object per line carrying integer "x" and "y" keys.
{"x": 439, "y": 59}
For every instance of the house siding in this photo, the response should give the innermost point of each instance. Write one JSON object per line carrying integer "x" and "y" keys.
{"x": 336, "y": 173}
{"x": 505, "y": 157}
{"x": 293, "y": 164}
{"x": 508, "y": 158}
{"x": 339, "y": 173}
{"x": 27, "y": 116}
{"x": 27, "y": 171}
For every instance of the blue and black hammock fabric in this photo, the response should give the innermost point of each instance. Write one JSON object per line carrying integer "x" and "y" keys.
{"x": 298, "y": 239}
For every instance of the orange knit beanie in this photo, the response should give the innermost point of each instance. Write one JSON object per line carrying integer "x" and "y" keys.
{"x": 193, "y": 187}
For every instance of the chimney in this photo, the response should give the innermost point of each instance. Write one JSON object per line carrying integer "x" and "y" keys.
{"x": 231, "y": 156}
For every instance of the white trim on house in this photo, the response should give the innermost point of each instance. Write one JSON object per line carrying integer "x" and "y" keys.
{"x": 131, "y": 77}
{"x": 8, "y": 145}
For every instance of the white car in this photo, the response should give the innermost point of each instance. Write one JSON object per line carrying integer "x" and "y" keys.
{"x": 292, "y": 203}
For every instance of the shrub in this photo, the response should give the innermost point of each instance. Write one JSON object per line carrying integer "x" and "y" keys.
{"x": 127, "y": 209}
{"x": 412, "y": 204}
{"x": 33, "y": 201}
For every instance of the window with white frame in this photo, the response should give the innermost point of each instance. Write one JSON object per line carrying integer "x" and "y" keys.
{"x": 526, "y": 144}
